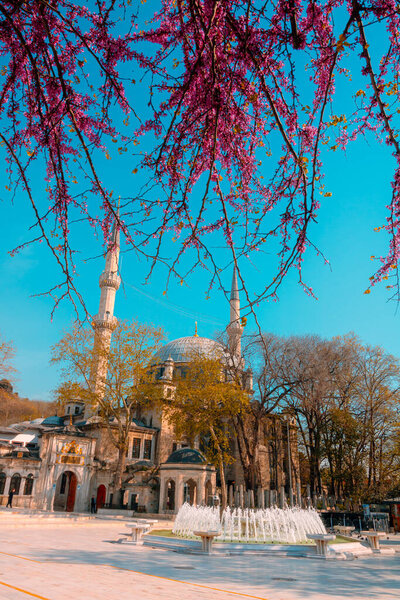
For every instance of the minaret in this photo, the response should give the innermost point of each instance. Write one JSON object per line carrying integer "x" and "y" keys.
{"x": 104, "y": 322}
{"x": 109, "y": 282}
{"x": 235, "y": 328}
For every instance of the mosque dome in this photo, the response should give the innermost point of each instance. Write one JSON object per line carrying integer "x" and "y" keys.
{"x": 183, "y": 349}
{"x": 187, "y": 456}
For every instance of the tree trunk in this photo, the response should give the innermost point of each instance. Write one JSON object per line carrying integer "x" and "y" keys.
{"x": 224, "y": 496}
{"x": 117, "y": 483}
{"x": 248, "y": 453}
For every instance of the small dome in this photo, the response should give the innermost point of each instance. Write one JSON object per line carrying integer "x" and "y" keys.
{"x": 183, "y": 349}
{"x": 187, "y": 456}
{"x": 53, "y": 421}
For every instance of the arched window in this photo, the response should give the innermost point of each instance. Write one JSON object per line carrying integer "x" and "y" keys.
{"x": 15, "y": 483}
{"x": 2, "y": 482}
{"x": 28, "y": 485}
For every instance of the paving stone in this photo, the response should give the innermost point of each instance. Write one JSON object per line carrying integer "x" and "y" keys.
{"x": 79, "y": 562}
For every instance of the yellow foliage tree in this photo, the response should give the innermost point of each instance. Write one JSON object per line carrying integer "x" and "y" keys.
{"x": 113, "y": 379}
{"x": 203, "y": 406}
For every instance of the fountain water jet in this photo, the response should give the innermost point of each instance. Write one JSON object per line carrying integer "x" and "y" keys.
{"x": 288, "y": 525}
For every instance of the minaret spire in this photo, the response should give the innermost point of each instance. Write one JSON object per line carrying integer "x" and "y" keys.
{"x": 104, "y": 322}
{"x": 235, "y": 328}
{"x": 235, "y": 298}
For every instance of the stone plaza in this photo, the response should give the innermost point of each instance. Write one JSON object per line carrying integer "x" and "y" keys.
{"x": 77, "y": 557}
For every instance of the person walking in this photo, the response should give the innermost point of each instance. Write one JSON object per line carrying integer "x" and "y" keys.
{"x": 10, "y": 498}
{"x": 93, "y": 508}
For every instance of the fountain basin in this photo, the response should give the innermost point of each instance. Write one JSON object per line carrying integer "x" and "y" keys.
{"x": 287, "y": 526}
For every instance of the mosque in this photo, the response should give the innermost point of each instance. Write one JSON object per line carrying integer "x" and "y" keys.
{"x": 60, "y": 463}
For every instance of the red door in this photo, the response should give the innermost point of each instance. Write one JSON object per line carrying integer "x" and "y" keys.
{"x": 71, "y": 492}
{"x": 101, "y": 496}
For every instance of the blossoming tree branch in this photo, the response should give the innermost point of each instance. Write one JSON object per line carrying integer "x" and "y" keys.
{"x": 240, "y": 116}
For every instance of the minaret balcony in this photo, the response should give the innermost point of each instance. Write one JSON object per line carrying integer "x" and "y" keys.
{"x": 105, "y": 322}
{"x": 108, "y": 279}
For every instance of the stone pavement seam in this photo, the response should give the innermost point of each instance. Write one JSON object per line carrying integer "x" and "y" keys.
{"x": 22, "y": 557}
{"x": 199, "y": 585}
{"x": 207, "y": 587}
{"x": 13, "y": 587}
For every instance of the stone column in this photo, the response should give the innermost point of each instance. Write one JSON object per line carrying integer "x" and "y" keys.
{"x": 201, "y": 491}
{"x": 196, "y": 488}
{"x": 162, "y": 495}
{"x": 7, "y": 486}
{"x": 298, "y": 485}
{"x": 141, "y": 453}
{"x": 241, "y": 496}
{"x": 22, "y": 488}
{"x": 308, "y": 495}
{"x": 251, "y": 499}
{"x": 178, "y": 493}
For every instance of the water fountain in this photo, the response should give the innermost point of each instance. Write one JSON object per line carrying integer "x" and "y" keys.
{"x": 288, "y": 525}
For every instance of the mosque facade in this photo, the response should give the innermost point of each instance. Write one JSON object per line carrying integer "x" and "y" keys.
{"x": 62, "y": 462}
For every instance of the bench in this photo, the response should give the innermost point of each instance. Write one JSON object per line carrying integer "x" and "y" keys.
{"x": 139, "y": 527}
{"x": 137, "y": 531}
{"x": 207, "y": 538}
{"x": 373, "y": 539}
{"x": 321, "y": 541}
{"x": 349, "y": 550}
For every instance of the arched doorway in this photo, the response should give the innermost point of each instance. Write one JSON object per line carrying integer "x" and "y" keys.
{"x": 64, "y": 498}
{"x": 101, "y": 496}
{"x": 189, "y": 492}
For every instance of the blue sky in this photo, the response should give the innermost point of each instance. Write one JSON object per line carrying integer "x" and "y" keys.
{"x": 360, "y": 184}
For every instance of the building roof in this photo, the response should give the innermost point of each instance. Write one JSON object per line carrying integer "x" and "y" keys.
{"x": 36, "y": 424}
{"x": 10, "y": 429}
{"x": 187, "y": 456}
{"x": 28, "y": 438}
{"x": 183, "y": 349}
{"x": 53, "y": 421}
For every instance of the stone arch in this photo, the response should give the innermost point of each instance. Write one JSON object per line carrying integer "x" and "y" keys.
{"x": 170, "y": 494}
{"x": 15, "y": 483}
{"x": 65, "y": 493}
{"x": 28, "y": 485}
{"x": 101, "y": 496}
{"x": 208, "y": 492}
{"x": 190, "y": 491}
